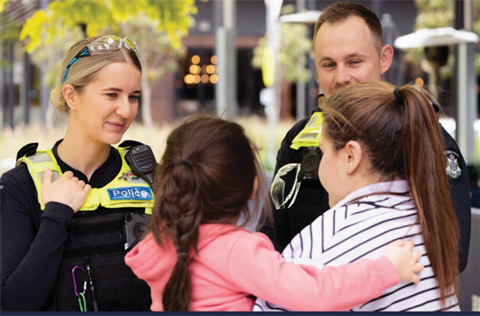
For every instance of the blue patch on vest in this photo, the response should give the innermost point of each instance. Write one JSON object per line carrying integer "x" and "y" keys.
{"x": 131, "y": 193}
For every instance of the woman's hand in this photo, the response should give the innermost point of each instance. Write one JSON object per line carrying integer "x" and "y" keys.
{"x": 404, "y": 261}
{"x": 67, "y": 190}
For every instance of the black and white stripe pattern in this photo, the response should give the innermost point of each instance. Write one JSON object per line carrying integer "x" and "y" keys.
{"x": 379, "y": 214}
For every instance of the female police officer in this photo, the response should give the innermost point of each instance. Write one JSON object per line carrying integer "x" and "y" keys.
{"x": 64, "y": 211}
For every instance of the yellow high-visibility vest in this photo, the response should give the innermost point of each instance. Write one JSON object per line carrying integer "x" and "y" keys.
{"x": 125, "y": 190}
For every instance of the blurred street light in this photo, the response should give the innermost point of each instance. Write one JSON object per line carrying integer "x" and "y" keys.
{"x": 305, "y": 17}
{"x": 273, "y": 8}
{"x": 435, "y": 37}
{"x": 436, "y": 42}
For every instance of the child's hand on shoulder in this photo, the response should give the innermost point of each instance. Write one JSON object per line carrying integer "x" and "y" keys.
{"x": 404, "y": 261}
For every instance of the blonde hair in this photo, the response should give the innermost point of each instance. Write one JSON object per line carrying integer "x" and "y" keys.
{"x": 84, "y": 71}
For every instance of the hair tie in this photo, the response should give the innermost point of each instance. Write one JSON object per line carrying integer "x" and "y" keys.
{"x": 398, "y": 96}
{"x": 180, "y": 254}
{"x": 182, "y": 161}
{"x": 182, "y": 251}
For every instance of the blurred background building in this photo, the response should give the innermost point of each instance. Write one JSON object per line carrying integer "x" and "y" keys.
{"x": 177, "y": 93}
{"x": 187, "y": 89}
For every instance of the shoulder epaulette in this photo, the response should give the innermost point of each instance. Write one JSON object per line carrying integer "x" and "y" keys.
{"x": 27, "y": 150}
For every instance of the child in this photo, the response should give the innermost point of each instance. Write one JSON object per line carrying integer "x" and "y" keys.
{"x": 197, "y": 259}
{"x": 383, "y": 167}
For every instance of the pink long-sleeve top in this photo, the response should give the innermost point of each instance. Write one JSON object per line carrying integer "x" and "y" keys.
{"x": 232, "y": 264}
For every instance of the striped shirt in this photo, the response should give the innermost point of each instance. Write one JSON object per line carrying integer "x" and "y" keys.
{"x": 361, "y": 226}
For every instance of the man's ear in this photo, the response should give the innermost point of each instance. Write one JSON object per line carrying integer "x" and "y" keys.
{"x": 353, "y": 156}
{"x": 69, "y": 95}
{"x": 386, "y": 57}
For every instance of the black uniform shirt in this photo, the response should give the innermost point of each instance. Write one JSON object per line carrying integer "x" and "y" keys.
{"x": 312, "y": 199}
{"x": 32, "y": 240}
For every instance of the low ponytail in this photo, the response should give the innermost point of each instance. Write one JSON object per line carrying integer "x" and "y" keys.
{"x": 424, "y": 165}
{"x": 402, "y": 139}
{"x": 177, "y": 295}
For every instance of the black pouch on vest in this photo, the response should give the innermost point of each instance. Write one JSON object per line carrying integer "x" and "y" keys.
{"x": 99, "y": 239}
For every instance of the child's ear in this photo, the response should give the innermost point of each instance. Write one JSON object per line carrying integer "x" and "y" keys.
{"x": 255, "y": 187}
{"x": 69, "y": 94}
{"x": 353, "y": 156}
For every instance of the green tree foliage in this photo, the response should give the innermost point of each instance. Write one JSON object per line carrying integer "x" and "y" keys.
{"x": 9, "y": 30}
{"x": 432, "y": 14}
{"x": 440, "y": 13}
{"x": 51, "y": 55}
{"x": 156, "y": 25}
{"x": 2, "y": 5}
{"x": 158, "y": 54}
{"x": 476, "y": 28}
{"x": 173, "y": 18}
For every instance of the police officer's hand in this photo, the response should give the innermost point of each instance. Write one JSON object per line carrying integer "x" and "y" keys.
{"x": 67, "y": 190}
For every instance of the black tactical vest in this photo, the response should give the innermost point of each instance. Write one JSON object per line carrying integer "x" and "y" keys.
{"x": 97, "y": 240}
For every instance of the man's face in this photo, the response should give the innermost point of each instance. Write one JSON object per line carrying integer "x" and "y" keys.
{"x": 345, "y": 53}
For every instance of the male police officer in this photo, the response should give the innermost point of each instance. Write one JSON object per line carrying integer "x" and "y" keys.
{"x": 349, "y": 48}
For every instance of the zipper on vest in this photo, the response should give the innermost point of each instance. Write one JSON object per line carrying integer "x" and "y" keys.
{"x": 92, "y": 288}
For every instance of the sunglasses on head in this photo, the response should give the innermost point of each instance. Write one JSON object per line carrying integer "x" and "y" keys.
{"x": 102, "y": 45}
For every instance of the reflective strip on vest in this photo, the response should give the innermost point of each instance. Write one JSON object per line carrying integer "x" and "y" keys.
{"x": 36, "y": 165}
{"x": 125, "y": 190}
{"x": 311, "y": 134}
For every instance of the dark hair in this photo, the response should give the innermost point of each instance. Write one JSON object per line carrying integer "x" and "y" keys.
{"x": 341, "y": 11}
{"x": 402, "y": 140}
{"x": 206, "y": 175}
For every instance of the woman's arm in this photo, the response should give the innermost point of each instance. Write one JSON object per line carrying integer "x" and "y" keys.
{"x": 31, "y": 243}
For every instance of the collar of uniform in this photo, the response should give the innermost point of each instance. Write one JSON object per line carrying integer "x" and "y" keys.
{"x": 102, "y": 176}
{"x": 397, "y": 186}
{"x": 436, "y": 107}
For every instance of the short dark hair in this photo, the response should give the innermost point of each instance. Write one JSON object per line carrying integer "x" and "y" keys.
{"x": 341, "y": 11}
